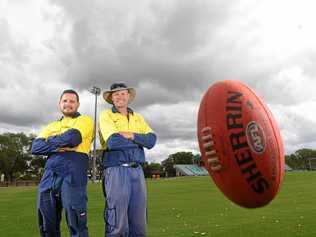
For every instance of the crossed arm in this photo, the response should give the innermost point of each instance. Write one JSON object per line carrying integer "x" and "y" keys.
{"x": 125, "y": 140}
{"x": 66, "y": 141}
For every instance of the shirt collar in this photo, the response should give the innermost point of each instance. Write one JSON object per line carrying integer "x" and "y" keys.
{"x": 76, "y": 115}
{"x": 129, "y": 110}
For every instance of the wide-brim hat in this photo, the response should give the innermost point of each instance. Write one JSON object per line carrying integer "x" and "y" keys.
{"x": 118, "y": 87}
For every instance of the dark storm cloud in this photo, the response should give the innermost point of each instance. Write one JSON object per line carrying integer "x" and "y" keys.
{"x": 160, "y": 47}
{"x": 171, "y": 51}
{"x": 174, "y": 121}
{"x": 23, "y": 106}
{"x": 14, "y": 117}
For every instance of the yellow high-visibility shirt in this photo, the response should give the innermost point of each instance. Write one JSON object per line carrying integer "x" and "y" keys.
{"x": 83, "y": 123}
{"x": 111, "y": 122}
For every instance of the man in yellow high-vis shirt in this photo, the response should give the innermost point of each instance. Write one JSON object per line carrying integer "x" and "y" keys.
{"x": 66, "y": 143}
{"x": 123, "y": 135}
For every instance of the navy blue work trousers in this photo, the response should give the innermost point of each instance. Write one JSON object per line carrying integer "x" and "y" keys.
{"x": 125, "y": 211}
{"x": 51, "y": 202}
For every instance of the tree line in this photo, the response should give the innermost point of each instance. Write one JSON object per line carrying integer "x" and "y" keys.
{"x": 17, "y": 162}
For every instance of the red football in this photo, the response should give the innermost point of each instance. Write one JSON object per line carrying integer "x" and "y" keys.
{"x": 249, "y": 161}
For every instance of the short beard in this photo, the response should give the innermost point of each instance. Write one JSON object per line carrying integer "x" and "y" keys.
{"x": 72, "y": 114}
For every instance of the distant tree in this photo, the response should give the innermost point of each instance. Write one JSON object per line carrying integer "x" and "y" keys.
{"x": 197, "y": 159}
{"x": 14, "y": 154}
{"x": 182, "y": 157}
{"x": 176, "y": 158}
{"x": 36, "y": 167}
{"x": 292, "y": 161}
{"x": 150, "y": 168}
{"x": 299, "y": 159}
{"x": 167, "y": 166}
{"x": 98, "y": 164}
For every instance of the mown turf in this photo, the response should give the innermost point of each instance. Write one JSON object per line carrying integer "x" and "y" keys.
{"x": 187, "y": 206}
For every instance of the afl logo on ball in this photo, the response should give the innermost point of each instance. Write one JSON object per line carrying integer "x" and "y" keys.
{"x": 256, "y": 137}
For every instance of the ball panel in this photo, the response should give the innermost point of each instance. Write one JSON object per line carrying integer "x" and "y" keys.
{"x": 276, "y": 148}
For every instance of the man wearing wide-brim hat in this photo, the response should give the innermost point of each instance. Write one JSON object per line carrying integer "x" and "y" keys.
{"x": 123, "y": 135}
{"x": 107, "y": 95}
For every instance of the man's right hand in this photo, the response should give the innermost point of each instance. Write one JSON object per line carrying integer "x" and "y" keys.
{"x": 127, "y": 135}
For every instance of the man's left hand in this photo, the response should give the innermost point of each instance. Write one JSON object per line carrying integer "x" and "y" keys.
{"x": 67, "y": 149}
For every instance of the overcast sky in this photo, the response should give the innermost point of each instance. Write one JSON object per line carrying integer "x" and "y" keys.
{"x": 171, "y": 51}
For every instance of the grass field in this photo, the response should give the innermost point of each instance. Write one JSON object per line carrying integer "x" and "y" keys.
{"x": 187, "y": 206}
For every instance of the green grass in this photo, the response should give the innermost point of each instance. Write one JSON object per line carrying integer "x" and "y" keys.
{"x": 187, "y": 206}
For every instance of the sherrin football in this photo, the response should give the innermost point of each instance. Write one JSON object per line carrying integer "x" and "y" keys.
{"x": 240, "y": 144}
